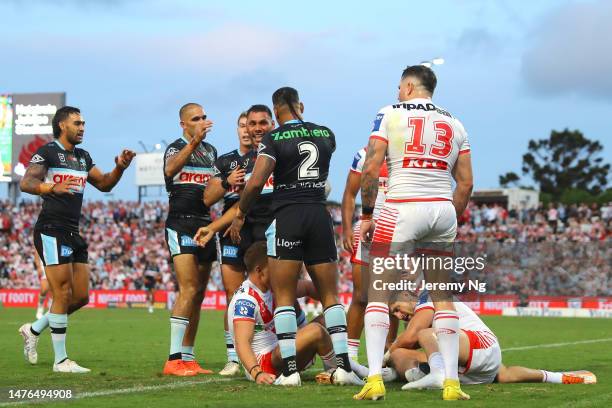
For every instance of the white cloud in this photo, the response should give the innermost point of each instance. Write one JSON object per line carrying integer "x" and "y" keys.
{"x": 571, "y": 52}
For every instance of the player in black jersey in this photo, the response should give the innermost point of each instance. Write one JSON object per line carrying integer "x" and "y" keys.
{"x": 228, "y": 181}
{"x": 188, "y": 166}
{"x": 58, "y": 172}
{"x": 298, "y": 153}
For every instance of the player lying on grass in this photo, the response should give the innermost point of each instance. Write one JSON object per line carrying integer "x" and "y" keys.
{"x": 251, "y": 322}
{"x": 479, "y": 352}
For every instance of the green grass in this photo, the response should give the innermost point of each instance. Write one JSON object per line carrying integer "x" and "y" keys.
{"x": 127, "y": 348}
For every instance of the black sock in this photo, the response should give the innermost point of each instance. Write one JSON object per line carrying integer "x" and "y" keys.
{"x": 289, "y": 366}
{"x": 175, "y": 356}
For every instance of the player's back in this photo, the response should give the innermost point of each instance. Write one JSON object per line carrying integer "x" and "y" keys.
{"x": 302, "y": 151}
{"x": 423, "y": 144}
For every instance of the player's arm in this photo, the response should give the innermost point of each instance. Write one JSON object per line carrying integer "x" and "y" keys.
{"x": 32, "y": 182}
{"x": 206, "y": 233}
{"x": 462, "y": 173}
{"x": 353, "y": 183}
{"x": 243, "y": 337}
{"x": 375, "y": 156}
{"x": 106, "y": 181}
{"x": 175, "y": 162}
{"x": 218, "y": 186}
{"x": 409, "y": 339}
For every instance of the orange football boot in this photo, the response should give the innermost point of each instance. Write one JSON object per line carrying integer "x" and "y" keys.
{"x": 195, "y": 366}
{"x": 579, "y": 377}
{"x": 178, "y": 368}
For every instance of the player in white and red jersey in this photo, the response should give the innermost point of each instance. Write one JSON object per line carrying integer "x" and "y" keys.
{"x": 352, "y": 243}
{"x": 479, "y": 357}
{"x": 425, "y": 148}
{"x": 251, "y": 324}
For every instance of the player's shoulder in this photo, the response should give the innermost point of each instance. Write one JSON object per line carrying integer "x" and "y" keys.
{"x": 174, "y": 147}
{"x": 209, "y": 147}
{"x": 230, "y": 155}
{"x": 81, "y": 152}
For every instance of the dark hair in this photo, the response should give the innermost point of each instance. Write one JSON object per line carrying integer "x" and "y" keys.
{"x": 256, "y": 255}
{"x": 242, "y": 115}
{"x": 287, "y": 96}
{"x": 259, "y": 108}
{"x": 425, "y": 75}
{"x": 186, "y": 107}
{"x": 61, "y": 115}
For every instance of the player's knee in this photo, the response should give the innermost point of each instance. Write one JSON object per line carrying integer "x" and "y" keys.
{"x": 425, "y": 335}
{"x": 81, "y": 301}
{"x": 63, "y": 294}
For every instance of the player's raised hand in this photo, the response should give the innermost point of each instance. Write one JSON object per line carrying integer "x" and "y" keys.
{"x": 265, "y": 378}
{"x": 203, "y": 236}
{"x": 347, "y": 239}
{"x": 234, "y": 229}
{"x": 236, "y": 177}
{"x": 124, "y": 159}
{"x": 68, "y": 186}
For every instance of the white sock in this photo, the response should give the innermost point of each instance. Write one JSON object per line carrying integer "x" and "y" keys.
{"x": 551, "y": 377}
{"x": 360, "y": 370}
{"x": 436, "y": 362}
{"x": 446, "y": 326}
{"x": 353, "y": 349}
{"x": 376, "y": 325}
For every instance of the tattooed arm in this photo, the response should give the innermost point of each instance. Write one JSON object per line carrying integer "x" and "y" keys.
{"x": 375, "y": 156}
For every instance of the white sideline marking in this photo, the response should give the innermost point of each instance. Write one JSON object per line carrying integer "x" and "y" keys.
{"x": 550, "y": 345}
{"x": 105, "y": 393}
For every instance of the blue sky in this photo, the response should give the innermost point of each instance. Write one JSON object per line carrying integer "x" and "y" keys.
{"x": 514, "y": 69}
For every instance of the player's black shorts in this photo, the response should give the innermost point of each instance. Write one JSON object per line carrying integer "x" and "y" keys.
{"x": 251, "y": 232}
{"x": 179, "y": 237}
{"x": 302, "y": 232}
{"x": 149, "y": 282}
{"x": 57, "y": 246}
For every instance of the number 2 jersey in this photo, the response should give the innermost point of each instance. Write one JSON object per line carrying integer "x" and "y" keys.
{"x": 62, "y": 211}
{"x": 186, "y": 188}
{"x": 423, "y": 144}
{"x": 302, "y": 151}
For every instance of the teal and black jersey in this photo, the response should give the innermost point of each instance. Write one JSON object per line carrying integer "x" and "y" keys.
{"x": 62, "y": 211}
{"x": 186, "y": 188}
{"x": 224, "y": 166}
{"x": 302, "y": 151}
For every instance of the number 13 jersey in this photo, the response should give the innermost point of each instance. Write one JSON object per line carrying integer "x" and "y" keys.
{"x": 423, "y": 144}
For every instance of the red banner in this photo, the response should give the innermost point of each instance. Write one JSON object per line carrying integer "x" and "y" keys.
{"x": 215, "y": 300}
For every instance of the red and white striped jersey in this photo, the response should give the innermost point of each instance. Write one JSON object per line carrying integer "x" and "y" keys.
{"x": 423, "y": 144}
{"x": 383, "y": 177}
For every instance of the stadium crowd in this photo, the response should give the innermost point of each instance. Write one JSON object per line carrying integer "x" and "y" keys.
{"x": 551, "y": 250}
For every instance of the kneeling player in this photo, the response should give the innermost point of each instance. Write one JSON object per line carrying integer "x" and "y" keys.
{"x": 480, "y": 359}
{"x": 251, "y": 323}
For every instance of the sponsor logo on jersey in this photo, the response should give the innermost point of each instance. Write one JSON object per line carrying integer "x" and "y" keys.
{"x": 171, "y": 152}
{"x": 426, "y": 164}
{"x": 244, "y": 308}
{"x": 186, "y": 240}
{"x": 62, "y": 157}
{"x": 65, "y": 251}
{"x": 260, "y": 148}
{"x": 194, "y": 175}
{"x": 230, "y": 251}
{"x": 282, "y": 242}
{"x": 299, "y": 132}
{"x": 37, "y": 158}
{"x": 427, "y": 107}
{"x": 59, "y": 175}
{"x": 268, "y": 188}
{"x": 233, "y": 165}
{"x": 83, "y": 163}
{"x": 377, "y": 121}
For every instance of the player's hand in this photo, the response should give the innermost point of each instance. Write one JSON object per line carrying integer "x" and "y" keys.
{"x": 203, "y": 236}
{"x": 265, "y": 378}
{"x": 68, "y": 186}
{"x": 348, "y": 239}
{"x": 367, "y": 230}
{"x": 236, "y": 177}
{"x": 234, "y": 229}
{"x": 124, "y": 159}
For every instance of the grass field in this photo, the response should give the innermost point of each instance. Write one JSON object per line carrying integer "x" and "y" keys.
{"x": 126, "y": 350}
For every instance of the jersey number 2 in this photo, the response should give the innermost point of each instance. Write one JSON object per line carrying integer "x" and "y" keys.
{"x": 444, "y": 137}
{"x": 307, "y": 169}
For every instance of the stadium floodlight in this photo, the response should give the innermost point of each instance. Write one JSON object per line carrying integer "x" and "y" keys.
{"x": 157, "y": 146}
{"x": 426, "y": 64}
{"x": 438, "y": 61}
{"x": 20, "y": 169}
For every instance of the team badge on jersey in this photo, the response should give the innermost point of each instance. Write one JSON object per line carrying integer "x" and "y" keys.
{"x": 62, "y": 157}
{"x": 377, "y": 121}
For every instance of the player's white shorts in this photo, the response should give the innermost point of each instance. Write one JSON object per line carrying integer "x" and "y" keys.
{"x": 484, "y": 359}
{"x": 358, "y": 256}
{"x": 432, "y": 221}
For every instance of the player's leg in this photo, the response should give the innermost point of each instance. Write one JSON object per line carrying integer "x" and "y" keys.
{"x": 354, "y": 316}
{"x": 517, "y": 374}
{"x": 403, "y": 359}
{"x": 80, "y": 286}
{"x": 187, "y": 276}
{"x": 429, "y": 341}
{"x": 310, "y": 341}
{"x": 187, "y": 349}
{"x": 232, "y": 276}
{"x": 42, "y": 295}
